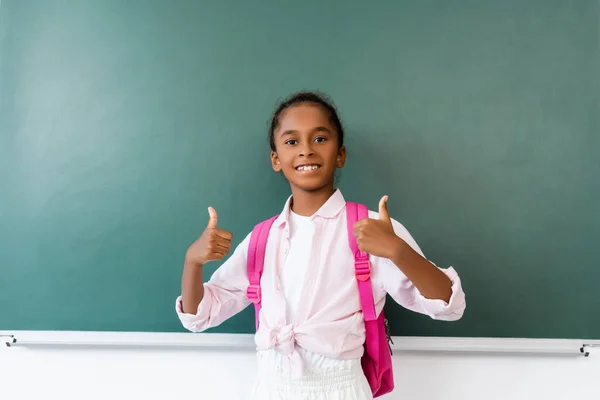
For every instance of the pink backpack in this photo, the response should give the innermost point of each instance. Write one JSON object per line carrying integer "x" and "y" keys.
{"x": 377, "y": 359}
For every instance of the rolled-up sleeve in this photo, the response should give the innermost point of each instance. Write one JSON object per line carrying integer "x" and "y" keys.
{"x": 401, "y": 289}
{"x": 439, "y": 309}
{"x": 224, "y": 294}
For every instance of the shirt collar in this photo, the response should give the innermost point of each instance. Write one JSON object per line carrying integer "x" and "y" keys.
{"x": 330, "y": 209}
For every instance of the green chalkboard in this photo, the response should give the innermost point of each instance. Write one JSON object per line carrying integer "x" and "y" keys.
{"x": 121, "y": 121}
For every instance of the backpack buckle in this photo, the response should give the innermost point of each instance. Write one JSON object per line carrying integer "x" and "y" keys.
{"x": 362, "y": 270}
{"x": 254, "y": 293}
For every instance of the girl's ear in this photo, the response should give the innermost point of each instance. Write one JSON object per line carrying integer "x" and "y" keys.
{"x": 341, "y": 157}
{"x": 275, "y": 163}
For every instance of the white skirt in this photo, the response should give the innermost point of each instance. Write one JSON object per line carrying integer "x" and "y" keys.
{"x": 323, "y": 379}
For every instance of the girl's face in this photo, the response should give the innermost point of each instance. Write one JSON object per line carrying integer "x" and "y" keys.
{"x": 307, "y": 149}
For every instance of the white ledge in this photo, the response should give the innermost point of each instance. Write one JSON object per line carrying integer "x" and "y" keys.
{"x": 579, "y": 347}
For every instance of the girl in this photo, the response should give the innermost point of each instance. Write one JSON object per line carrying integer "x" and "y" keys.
{"x": 311, "y": 333}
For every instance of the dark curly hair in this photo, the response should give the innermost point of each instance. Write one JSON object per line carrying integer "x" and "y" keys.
{"x": 317, "y": 98}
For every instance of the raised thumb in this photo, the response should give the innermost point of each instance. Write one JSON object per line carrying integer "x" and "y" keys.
{"x": 383, "y": 211}
{"x": 212, "y": 221}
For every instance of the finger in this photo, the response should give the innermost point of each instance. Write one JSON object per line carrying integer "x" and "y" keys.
{"x": 224, "y": 243}
{"x": 212, "y": 221}
{"x": 383, "y": 211}
{"x": 358, "y": 230}
{"x": 216, "y": 250}
{"x": 360, "y": 223}
{"x": 214, "y": 240}
{"x": 223, "y": 234}
{"x": 361, "y": 246}
{"x": 221, "y": 249}
{"x": 216, "y": 255}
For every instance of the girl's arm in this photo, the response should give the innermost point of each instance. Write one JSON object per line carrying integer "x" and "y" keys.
{"x": 429, "y": 280}
{"x": 404, "y": 272}
{"x": 192, "y": 286}
{"x": 217, "y": 300}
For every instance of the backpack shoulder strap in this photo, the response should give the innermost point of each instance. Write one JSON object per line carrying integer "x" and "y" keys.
{"x": 256, "y": 261}
{"x": 362, "y": 266}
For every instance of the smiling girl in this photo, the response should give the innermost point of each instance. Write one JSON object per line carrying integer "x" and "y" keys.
{"x": 311, "y": 330}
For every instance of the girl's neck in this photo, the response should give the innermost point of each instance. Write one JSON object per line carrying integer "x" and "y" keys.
{"x": 307, "y": 203}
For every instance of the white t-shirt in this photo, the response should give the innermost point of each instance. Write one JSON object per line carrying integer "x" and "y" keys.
{"x": 296, "y": 264}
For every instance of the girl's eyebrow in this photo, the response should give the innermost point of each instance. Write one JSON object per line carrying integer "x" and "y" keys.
{"x": 313, "y": 130}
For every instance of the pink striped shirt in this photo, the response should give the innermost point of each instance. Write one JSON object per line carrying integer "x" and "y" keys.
{"x": 320, "y": 309}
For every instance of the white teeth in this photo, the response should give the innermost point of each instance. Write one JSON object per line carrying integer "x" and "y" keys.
{"x": 304, "y": 168}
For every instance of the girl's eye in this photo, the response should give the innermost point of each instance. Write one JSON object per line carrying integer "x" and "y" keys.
{"x": 320, "y": 139}
{"x": 290, "y": 141}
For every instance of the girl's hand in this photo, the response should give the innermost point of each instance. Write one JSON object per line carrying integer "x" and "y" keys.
{"x": 213, "y": 244}
{"x": 377, "y": 236}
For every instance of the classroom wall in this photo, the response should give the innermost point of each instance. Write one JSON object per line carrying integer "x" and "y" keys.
{"x": 78, "y": 373}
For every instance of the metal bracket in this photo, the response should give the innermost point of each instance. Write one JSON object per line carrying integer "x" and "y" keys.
{"x": 586, "y": 349}
{"x": 9, "y": 340}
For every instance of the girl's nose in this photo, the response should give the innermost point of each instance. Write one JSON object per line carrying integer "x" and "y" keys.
{"x": 306, "y": 151}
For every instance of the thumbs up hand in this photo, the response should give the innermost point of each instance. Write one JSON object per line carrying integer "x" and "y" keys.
{"x": 213, "y": 244}
{"x": 377, "y": 236}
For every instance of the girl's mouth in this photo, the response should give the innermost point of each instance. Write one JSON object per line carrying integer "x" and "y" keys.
{"x": 307, "y": 168}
